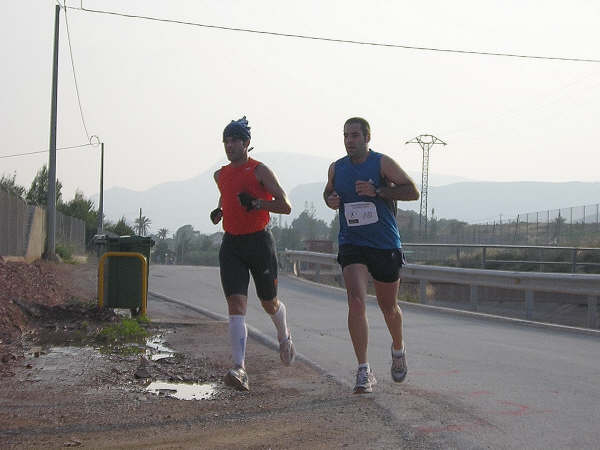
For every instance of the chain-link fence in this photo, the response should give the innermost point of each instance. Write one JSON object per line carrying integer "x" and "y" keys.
{"x": 564, "y": 226}
{"x": 16, "y": 218}
{"x": 70, "y": 232}
{"x": 571, "y": 226}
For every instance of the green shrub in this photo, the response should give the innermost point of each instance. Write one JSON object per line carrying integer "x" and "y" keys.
{"x": 128, "y": 330}
{"x": 65, "y": 252}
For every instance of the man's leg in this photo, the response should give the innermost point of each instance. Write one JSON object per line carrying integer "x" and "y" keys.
{"x": 263, "y": 267}
{"x": 277, "y": 311}
{"x": 387, "y": 294}
{"x": 238, "y": 332}
{"x": 356, "y": 278}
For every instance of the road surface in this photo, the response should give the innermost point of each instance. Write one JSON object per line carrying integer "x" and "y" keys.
{"x": 471, "y": 383}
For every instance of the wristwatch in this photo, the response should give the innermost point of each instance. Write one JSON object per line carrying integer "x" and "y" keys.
{"x": 378, "y": 191}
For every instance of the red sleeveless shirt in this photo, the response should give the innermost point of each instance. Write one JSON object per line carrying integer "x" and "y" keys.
{"x": 233, "y": 180}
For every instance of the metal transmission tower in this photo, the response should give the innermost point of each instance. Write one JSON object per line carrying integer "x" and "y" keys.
{"x": 426, "y": 141}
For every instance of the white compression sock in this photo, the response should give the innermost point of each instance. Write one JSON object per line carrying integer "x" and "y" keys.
{"x": 238, "y": 333}
{"x": 365, "y": 365}
{"x": 280, "y": 321}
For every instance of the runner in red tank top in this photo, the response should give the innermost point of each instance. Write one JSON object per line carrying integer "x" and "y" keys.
{"x": 249, "y": 192}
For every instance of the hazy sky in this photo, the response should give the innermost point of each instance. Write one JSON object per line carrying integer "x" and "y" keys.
{"x": 159, "y": 94}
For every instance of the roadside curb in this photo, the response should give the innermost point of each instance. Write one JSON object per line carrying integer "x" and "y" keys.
{"x": 471, "y": 314}
{"x": 252, "y": 331}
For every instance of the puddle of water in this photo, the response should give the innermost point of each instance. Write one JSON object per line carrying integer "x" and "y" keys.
{"x": 183, "y": 391}
{"x": 156, "y": 348}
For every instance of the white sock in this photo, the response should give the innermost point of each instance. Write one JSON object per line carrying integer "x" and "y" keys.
{"x": 398, "y": 353}
{"x": 238, "y": 334}
{"x": 280, "y": 321}
{"x": 360, "y": 366}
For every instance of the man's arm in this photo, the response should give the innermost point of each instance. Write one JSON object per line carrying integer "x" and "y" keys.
{"x": 217, "y": 214}
{"x": 403, "y": 187}
{"x": 280, "y": 204}
{"x": 332, "y": 199}
{"x": 400, "y": 185}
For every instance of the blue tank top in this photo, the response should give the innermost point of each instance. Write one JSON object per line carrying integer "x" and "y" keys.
{"x": 383, "y": 233}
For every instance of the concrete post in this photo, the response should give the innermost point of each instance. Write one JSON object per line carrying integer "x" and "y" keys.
{"x": 474, "y": 298}
{"x": 529, "y": 304}
{"x": 592, "y": 313}
{"x": 423, "y": 292}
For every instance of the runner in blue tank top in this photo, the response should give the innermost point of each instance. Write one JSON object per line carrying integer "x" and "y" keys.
{"x": 364, "y": 186}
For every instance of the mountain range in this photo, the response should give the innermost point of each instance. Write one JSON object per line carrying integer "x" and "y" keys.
{"x": 174, "y": 204}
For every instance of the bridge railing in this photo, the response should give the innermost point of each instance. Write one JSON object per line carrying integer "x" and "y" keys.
{"x": 580, "y": 285}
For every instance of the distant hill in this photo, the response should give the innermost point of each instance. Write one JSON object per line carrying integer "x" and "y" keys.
{"x": 173, "y": 204}
{"x": 479, "y": 201}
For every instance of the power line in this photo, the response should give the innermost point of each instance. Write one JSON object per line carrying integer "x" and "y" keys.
{"x": 74, "y": 72}
{"x": 339, "y": 41}
{"x": 44, "y": 151}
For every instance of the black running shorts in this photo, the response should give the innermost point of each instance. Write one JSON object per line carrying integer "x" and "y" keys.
{"x": 383, "y": 264}
{"x": 249, "y": 253}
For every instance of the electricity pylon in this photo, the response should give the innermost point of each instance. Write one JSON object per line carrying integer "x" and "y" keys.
{"x": 426, "y": 141}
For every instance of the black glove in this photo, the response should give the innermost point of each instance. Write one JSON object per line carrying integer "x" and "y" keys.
{"x": 216, "y": 215}
{"x": 246, "y": 200}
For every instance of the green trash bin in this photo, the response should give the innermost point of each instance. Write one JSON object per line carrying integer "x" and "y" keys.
{"x": 123, "y": 280}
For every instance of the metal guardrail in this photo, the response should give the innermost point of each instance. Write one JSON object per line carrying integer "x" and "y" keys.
{"x": 484, "y": 261}
{"x": 564, "y": 283}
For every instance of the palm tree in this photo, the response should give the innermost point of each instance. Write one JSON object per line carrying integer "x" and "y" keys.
{"x": 142, "y": 225}
{"x": 183, "y": 237}
{"x": 162, "y": 233}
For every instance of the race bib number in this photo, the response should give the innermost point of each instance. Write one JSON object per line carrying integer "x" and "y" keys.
{"x": 360, "y": 213}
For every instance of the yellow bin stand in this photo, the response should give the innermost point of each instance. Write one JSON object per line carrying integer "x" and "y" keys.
{"x": 144, "y": 268}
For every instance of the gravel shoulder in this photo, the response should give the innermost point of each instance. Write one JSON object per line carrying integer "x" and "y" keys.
{"x": 61, "y": 395}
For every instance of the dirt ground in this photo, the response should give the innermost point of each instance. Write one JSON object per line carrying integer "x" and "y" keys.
{"x": 56, "y": 394}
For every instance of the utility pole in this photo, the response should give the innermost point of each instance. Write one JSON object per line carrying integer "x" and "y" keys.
{"x": 101, "y": 200}
{"x": 51, "y": 200}
{"x": 101, "y": 195}
{"x": 426, "y": 141}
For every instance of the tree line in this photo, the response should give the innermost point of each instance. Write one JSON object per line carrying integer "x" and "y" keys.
{"x": 189, "y": 246}
{"x": 79, "y": 206}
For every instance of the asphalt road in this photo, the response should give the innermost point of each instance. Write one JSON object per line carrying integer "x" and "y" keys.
{"x": 472, "y": 383}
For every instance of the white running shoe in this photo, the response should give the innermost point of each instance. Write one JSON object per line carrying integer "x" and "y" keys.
{"x": 237, "y": 378}
{"x": 399, "y": 368}
{"x": 365, "y": 380}
{"x": 287, "y": 351}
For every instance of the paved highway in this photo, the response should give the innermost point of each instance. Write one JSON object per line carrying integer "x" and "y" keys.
{"x": 472, "y": 383}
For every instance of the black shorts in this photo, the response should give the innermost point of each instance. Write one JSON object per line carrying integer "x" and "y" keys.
{"x": 254, "y": 253}
{"x": 383, "y": 264}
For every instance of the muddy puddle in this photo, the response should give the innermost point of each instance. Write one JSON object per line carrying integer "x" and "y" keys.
{"x": 157, "y": 349}
{"x": 183, "y": 391}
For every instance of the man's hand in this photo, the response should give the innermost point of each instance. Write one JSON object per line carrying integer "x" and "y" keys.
{"x": 247, "y": 201}
{"x": 333, "y": 200}
{"x": 216, "y": 215}
{"x": 365, "y": 188}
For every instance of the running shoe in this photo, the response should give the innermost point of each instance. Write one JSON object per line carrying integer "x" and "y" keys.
{"x": 365, "y": 380}
{"x": 237, "y": 378}
{"x": 287, "y": 351}
{"x": 399, "y": 368}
